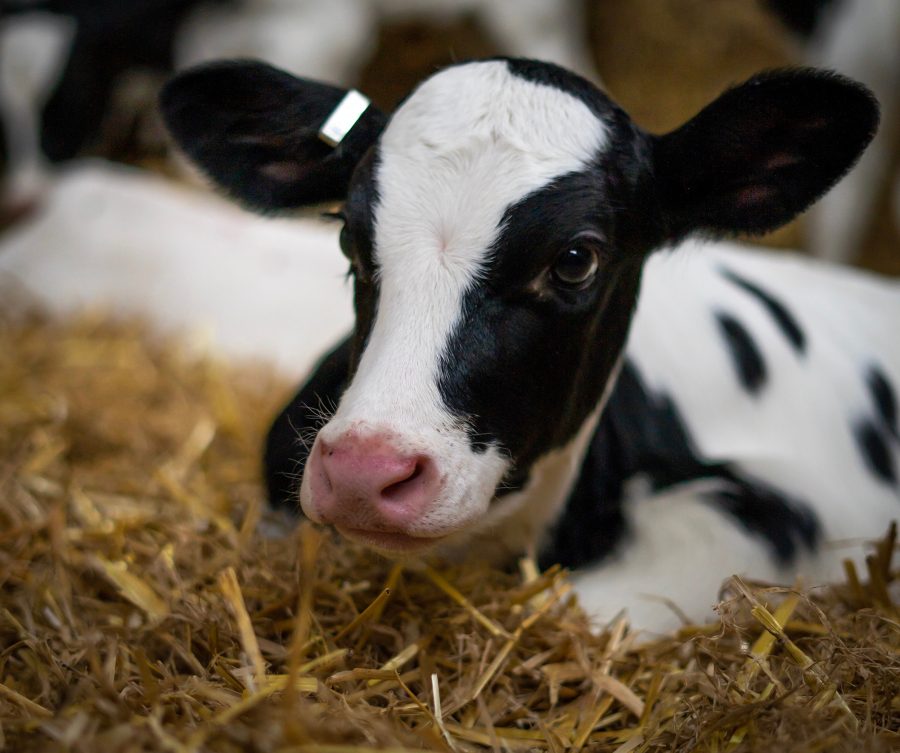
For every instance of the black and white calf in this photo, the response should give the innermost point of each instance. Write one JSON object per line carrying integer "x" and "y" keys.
{"x": 497, "y": 228}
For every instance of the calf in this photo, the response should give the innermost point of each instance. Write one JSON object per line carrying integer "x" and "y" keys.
{"x": 497, "y": 227}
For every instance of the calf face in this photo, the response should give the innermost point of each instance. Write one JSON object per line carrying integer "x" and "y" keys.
{"x": 496, "y": 225}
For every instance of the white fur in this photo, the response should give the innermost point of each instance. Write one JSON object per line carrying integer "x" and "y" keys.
{"x": 797, "y": 432}
{"x": 795, "y": 435}
{"x": 472, "y": 141}
{"x": 240, "y": 285}
{"x": 678, "y": 553}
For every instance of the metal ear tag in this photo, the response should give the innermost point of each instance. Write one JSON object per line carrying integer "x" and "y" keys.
{"x": 342, "y": 119}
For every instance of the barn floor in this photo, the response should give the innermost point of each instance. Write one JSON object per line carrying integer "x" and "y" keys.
{"x": 142, "y": 609}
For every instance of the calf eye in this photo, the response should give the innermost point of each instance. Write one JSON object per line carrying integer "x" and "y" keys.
{"x": 575, "y": 267}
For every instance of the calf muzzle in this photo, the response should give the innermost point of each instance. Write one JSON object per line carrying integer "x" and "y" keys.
{"x": 371, "y": 490}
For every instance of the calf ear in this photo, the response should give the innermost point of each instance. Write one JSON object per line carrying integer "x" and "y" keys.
{"x": 762, "y": 152}
{"x": 254, "y": 130}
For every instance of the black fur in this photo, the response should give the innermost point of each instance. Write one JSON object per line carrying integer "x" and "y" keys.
{"x": 592, "y": 525}
{"x": 357, "y": 245}
{"x": 762, "y": 152}
{"x": 507, "y": 371}
{"x": 876, "y": 451}
{"x": 642, "y": 433}
{"x": 254, "y": 130}
{"x": 748, "y": 361}
{"x": 783, "y": 318}
{"x": 786, "y": 525}
{"x": 884, "y": 400}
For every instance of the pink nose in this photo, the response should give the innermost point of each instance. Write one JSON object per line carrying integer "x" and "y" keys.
{"x": 364, "y": 483}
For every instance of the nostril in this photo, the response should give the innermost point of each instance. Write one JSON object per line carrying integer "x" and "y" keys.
{"x": 400, "y": 490}
{"x": 318, "y": 465}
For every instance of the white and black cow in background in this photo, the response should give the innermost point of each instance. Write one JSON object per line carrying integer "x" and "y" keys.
{"x": 860, "y": 39}
{"x": 497, "y": 226}
{"x": 73, "y": 73}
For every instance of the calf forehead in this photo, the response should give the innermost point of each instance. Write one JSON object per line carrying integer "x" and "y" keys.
{"x": 470, "y": 142}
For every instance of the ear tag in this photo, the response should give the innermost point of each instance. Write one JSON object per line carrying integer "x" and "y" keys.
{"x": 342, "y": 119}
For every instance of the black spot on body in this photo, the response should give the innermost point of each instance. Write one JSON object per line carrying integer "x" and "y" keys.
{"x": 876, "y": 451}
{"x": 643, "y": 433}
{"x": 763, "y": 511}
{"x": 780, "y": 314}
{"x": 884, "y": 399}
{"x": 748, "y": 361}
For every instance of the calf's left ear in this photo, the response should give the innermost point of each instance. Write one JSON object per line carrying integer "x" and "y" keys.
{"x": 254, "y": 130}
{"x": 762, "y": 152}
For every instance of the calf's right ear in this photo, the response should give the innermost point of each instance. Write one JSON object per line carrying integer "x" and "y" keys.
{"x": 254, "y": 130}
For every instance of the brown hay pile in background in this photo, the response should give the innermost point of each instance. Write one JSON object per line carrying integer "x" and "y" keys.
{"x": 142, "y": 609}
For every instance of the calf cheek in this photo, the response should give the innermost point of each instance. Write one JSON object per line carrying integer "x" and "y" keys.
{"x": 511, "y": 376}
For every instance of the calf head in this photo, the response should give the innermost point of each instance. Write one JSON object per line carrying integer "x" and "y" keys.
{"x": 496, "y": 225}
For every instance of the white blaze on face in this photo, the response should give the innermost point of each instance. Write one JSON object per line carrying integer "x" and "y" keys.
{"x": 470, "y": 142}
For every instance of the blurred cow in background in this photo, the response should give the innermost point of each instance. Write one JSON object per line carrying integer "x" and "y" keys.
{"x": 861, "y": 39}
{"x": 76, "y": 73}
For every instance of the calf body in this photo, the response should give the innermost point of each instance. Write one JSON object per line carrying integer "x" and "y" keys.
{"x": 497, "y": 227}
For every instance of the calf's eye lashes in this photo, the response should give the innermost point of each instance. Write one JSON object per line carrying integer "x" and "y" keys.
{"x": 575, "y": 267}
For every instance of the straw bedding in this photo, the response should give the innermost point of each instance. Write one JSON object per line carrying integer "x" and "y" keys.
{"x": 149, "y": 601}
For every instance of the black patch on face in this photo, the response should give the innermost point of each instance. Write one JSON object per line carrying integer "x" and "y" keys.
{"x": 876, "y": 451}
{"x": 528, "y": 360}
{"x": 766, "y": 513}
{"x": 748, "y": 361}
{"x": 780, "y": 314}
{"x": 884, "y": 399}
{"x": 643, "y": 433}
